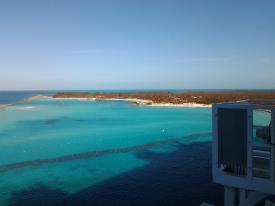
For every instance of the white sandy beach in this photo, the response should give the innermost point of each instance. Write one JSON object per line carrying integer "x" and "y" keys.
{"x": 141, "y": 102}
{"x": 74, "y": 98}
{"x": 150, "y": 103}
{"x": 180, "y": 105}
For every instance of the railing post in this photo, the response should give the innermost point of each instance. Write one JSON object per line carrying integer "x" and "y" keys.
{"x": 215, "y": 164}
{"x": 249, "y": 143}
{"x": 272, "y": 159}
{"x": 243, "y": 195}
{"x": 273, "y": 126}
{"x": 229, "y": 196}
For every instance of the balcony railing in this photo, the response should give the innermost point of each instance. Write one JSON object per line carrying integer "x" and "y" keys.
{"x": 240, "y": 158}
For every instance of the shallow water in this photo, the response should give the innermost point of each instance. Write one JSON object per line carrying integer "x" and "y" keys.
{"x": 62, "y": 150}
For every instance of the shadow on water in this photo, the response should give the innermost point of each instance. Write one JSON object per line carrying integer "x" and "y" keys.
{"x": 181, "y": 177}
{"x": 39, "y": 195}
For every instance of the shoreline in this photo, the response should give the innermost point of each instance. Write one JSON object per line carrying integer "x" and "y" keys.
{"x": 170, "y": 99}
{"x": 138, "y": 102}
{"x": 191, "y": 105}
{"x": 157, "y": 99}
{"x": 135, "y": 102}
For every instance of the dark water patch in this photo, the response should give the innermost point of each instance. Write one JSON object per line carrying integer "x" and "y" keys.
{"x": 39, "y": 196}
{"x": 68, "y": 120}
{"x": 181, "y": 177}
{"x": 92, "y": 154}
{"x": 44, "y": 122}
{"x": 51, "y": 121}
{"x": 92, "y": 170}
{"x": 37, "y": 122}
{"x": 2, "y": 134}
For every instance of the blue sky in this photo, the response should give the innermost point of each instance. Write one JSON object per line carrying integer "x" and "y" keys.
{"x": 137, "y": 44}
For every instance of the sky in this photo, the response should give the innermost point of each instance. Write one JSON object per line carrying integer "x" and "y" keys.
{"x": 137, "y": 44}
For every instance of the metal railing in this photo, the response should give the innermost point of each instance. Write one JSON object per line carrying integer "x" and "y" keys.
{"x": 258, "y": 173}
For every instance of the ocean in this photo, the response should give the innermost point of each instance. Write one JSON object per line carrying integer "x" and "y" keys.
{"x": 69, "y": 152}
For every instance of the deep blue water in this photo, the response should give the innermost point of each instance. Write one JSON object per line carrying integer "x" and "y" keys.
{"x": 182, "y": 177}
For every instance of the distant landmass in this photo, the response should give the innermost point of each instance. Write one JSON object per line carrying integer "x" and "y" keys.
{"x": 170, "y": 98}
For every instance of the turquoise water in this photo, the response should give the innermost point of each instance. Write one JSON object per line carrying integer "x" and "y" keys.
{"x": 72, "y": 145}
{"x": 10, "y": 97}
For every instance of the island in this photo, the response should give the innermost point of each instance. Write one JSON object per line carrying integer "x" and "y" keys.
{"x": 185, "y": 99}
